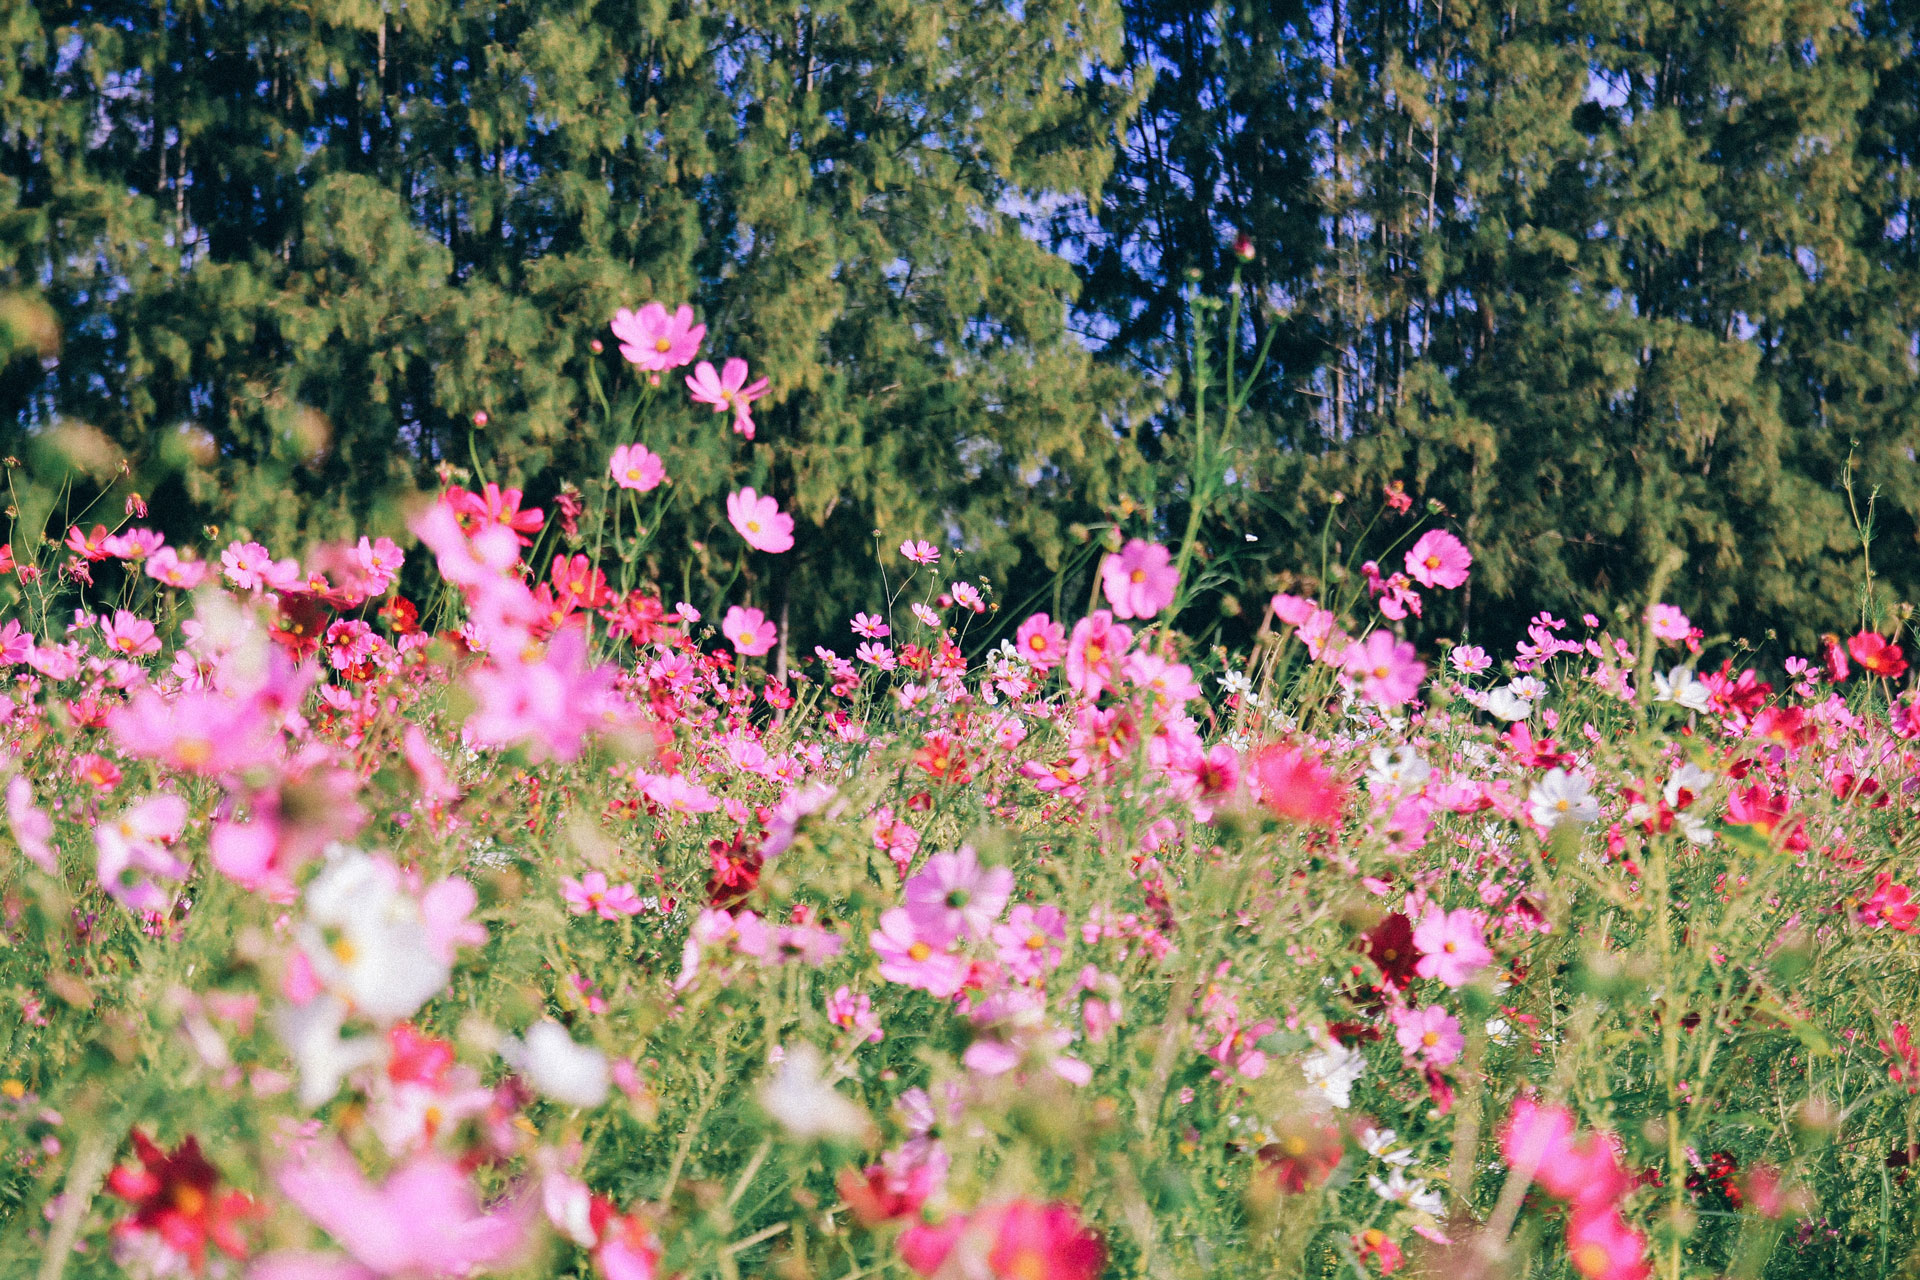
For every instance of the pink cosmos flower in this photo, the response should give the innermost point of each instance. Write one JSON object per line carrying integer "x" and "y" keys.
{"x": 636, "y": 467}
{"x": 1140, "y": 581}
{"x": 1451, "y": 946}
{"x": 1601, "y": 1246}
{"x": 1042, "y": 642}
{"x": 1028, "y": 944}
{"x": 1296, "y": 786}
{"x": 908, "y": 958}
{"x": 920, "y": 552}
{"x": 851, "y": 1012}
{"x": 1429, "y": 1037}
{"x": 1668, "y": 623}
{"x": 15, "y": 644}
{"x": 31, "y": 826}
{"x": 1469, "y": 659}
{"x": 134, "y": 544}
{"x": 1536, "y": 1137}
{"x": 1094, "y": 653}
{"x": 1439, "y": 559}
{"x": 130, "y": 635}
{"x": 749, "y": 631}
{"x": 928, "y": 618}
{"x": 592, "y": 893}
{"x": 953, "y": 895}
{"x": 549, "y": 704}
{"x": 656, "y": 341}
{"x": 967, "y": 596}
{"x": 871, "y": 626}
{"x": 424, "y": 1222}
{"x": 760, "y": 521}
{"x": 134, "y": 854}
{"x": 1387, "y": 669}
{"x": 727, "y": 391}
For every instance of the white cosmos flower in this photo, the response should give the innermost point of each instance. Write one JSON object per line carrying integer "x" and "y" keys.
{"x": 1331, "y": 1071}
{"x": 1508, "y": 705}
{"x": 1412, "y": 1192}
{"x": 1383, "y": 1145}
{"x": 1562, "y": 797}
{"x": 574, "y": 1074}
{"x": 367, "y": 941}
{"x": 1399, "y": 769}
{"x": 803, "y": 1103}
{"x": 1681, "y": 686}
{"x": 311, "y": 1033}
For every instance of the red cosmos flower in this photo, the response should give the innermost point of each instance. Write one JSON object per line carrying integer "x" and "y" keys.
{"x": 1045, "y": 1242}
{"x": 1373, "y": 1243}
{"x": 878, "y": 1195}
{"x": 401, "y": 615}
{"x": 1788, "y": 726}
{"x": 1744, "y": 694}
{"x": 1875, "y": 653}
{"x": 174, "y": 1196}
{"x": 579, "y": 580}
{"x": 1891, "y": 904}
{"x": 1295, "y": 785}
{"x": 1389, "y": 945}
{"x": 943, "y": 759}
{"x": 1905, "y": 1068}
{"x": 1303, "y": 1156}
{"x": 736, "y": 871}
{"x": 636, "y": 615}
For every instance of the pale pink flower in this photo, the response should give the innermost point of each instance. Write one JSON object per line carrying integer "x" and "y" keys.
{"x": 928, "y": 618}
{"x": 748, "y": 631}
{"x": 1469, "y": 659}
{"x": 1668, "y": 622}
{"x": 134, "y": 544}
{"x": 675, "y": 793}
{"x": 134, "y": 853}
{"x": 1387, "y": 669}
{"x": 871, "y": 626}
{"x": 655, "y": 340}
{"x": 760, "y": 521}
{"x": 1140, "y": 581}
{"x": 31, "y": 826}
{"x": 728, "y": 391}
{"x": 920, "y": 552}
{"x": 967, "y": 596}
{"x": 954, "y": 895}
{"x": 1451, "y": 946}
{"x": 634, "y": 466}
{"x": 1439, "y": 559}
{"x": 1028, "y": 944}
{"x": 1430, "y": 1036}
{"x": 1094, "y": 653}
{"x": 878, "y": 655}
{"x": 424, "y": 1222}
{"x": 592, "y": 894}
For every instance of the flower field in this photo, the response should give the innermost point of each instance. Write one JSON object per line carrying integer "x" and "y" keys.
{"x": 456, "y": 904}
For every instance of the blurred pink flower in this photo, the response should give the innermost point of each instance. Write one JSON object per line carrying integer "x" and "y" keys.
{"x": 1140, "y": 581}
{"x": 727, "y": 391}
{"x": 592, "y": 894}
{"x": 760, "y": 521}
{"x": 424, "y": 1222}
{"x": 1668, "y": 623}
{"x": 1387, "y": 669}
{"x": 1094, "y": 652}
{"x": 912, "y": 960}
{"x": 634, "y": 466}
{"x": 953, "y": 895}
{"x": 656, "y": 341}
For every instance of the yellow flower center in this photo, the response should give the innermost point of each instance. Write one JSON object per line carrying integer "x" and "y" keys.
{"x": 919, "y": 951}
{"x": 663, "y": 345}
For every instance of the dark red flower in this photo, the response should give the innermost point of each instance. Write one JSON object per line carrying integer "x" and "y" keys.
{"x": 176, "y": 1196}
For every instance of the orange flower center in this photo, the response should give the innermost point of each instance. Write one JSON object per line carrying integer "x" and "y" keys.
{"x": 919, "y": 951}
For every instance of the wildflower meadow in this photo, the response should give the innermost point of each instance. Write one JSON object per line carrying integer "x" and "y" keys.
{"x": 465, "y": 898}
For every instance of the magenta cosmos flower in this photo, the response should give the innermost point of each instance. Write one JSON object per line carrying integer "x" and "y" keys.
{"x": 728, "y": 391}
{"x": 656, "y": 341}
{"x": 1451, "y": 947}
{"x": 1042, "y": 642}
{"x": 591, "y": 894}
{"x": 1140, "y": 580}
{"x": 760, "y": 521}
{"x": 1388, "y": 673}
{"x": 955, "y": 895}
{"x": 634, "y": 466}
{"x": 748, "y": 631}
{"x": 1094, "y": 652}
{"x": 1439, "y": 559}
